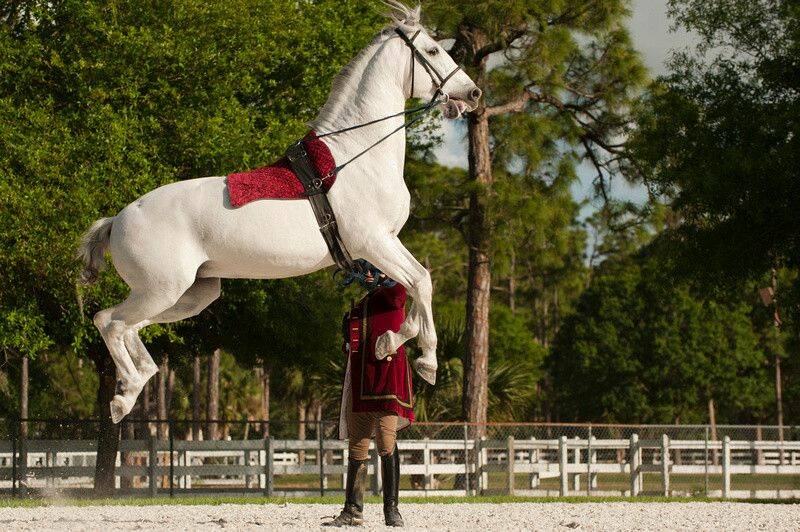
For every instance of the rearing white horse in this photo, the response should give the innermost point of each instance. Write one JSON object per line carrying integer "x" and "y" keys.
{"x": 174, "y": 244}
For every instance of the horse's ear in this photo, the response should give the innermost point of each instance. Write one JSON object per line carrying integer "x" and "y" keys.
{"x": 402, "y": 15}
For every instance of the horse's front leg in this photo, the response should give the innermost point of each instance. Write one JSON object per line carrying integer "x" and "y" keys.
{"x": 399, "y": 264}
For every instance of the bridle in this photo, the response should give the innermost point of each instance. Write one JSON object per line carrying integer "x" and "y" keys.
{"x": 437, "y": 79}
{"x": 312, "y": 182}
{"x": 439, "y": 97}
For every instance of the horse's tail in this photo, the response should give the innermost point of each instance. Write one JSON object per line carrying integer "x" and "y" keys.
{"x": 92, "y": 249}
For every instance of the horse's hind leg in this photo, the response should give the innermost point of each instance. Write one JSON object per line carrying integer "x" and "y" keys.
{"x": 113, "y": 324}
{"x": 201, "y": 294}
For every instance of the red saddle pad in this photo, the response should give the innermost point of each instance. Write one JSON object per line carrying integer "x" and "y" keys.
{"x": 278, "y": 180}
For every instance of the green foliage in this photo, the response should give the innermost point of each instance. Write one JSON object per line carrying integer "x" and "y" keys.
{"x": 100, "y": 103}
{"x": 639, "y": 348}
{"x": 719, "y": 135}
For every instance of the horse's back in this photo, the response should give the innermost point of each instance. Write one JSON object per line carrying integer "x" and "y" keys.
{"x": 191, "y": 224}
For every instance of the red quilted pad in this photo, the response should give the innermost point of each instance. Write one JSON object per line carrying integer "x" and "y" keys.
{"x": 278, "y": 181}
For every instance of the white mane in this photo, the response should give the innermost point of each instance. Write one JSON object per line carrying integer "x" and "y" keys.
{"x": 402, "y": 17}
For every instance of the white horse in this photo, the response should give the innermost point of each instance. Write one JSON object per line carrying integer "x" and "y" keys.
{"x": 174, "y": 244}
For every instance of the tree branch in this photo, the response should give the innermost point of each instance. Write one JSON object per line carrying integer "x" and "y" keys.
{"x": 514, "y": 106}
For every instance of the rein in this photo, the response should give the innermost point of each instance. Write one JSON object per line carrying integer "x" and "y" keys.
{"x": 312, "y": 182}
{"x": 439, "y": 82}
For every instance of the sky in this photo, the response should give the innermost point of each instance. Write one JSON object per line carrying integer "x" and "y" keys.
{"x": 650, "y": 31}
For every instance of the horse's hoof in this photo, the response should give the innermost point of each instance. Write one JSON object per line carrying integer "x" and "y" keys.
{"x": 119, "y": 409}
{"x": 425, "y": 370}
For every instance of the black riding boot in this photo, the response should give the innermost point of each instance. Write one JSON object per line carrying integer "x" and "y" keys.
{"x": 353, "y": 512}
{"x": 390, "y": 469}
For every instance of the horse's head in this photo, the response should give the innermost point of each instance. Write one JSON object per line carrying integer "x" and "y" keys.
{"x": 432, "y": 71}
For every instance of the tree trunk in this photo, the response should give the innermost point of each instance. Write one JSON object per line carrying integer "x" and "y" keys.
{"x": 108, "y": 432}
{"x": 23, "y": 397}
{"x": 265, "y": 401}
{"x": 712, "y": 420}
{"x": 212, "y": 398}
{"x": 476, "y": 364}
{"x": 301, "y": 428}
{"x": 196, "y": 435}
{"x": 161, "y": 398}
{"x": 170, "y": 392}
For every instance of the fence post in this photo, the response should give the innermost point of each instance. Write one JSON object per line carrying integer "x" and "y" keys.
{"x": 22, "y": 451}
{"x": 562, "y": 467}
{"x": 152, "y": 461}
{"x": 665, "y": 464}
{"x": 589, "y": 462}
{"x": 321, "y": 460}
{"x": 484, "y": 458}
{"x": 171, "y": 459}
{"x": 635, "y": 465}
{"x": 14, "y": 462}
{"x": 705, "y": 464}
{"x": 466, "y": 461}
{"x": 726, "y": 467}
{"x": 534, "y": 480}
{"x": 576, "y": 477}
{"x": 268, "y": 465}
{"x": 426, "y": 460}
{"x": 511, "y": 458}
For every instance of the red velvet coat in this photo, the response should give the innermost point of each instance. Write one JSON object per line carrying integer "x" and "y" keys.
{"x": 378, "y": 385}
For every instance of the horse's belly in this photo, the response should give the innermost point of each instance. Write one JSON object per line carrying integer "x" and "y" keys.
{"x": 265, "y": 239}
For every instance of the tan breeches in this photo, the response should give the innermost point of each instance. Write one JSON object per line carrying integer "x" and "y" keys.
{"x": 361, "y": 425}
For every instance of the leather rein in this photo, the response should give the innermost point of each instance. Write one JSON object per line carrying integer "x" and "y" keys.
{"x": 297, "y": 156}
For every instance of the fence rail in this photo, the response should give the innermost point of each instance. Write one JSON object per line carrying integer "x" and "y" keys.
{"x": 436, "y": 459}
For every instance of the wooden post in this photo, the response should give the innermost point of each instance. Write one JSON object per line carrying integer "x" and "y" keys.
{"x": 484, "y": 457}
{"x": 152, "y": 462}
{"x": 511, "y": 458}
{"x": 562, "y": 467}
{"x": 635, "y": 465}
{"x": 467, "y": 487}
{"x": 576, "y": 477}
{"x": 705, "y": 463}
{"x": 268, "y": 466}
{"x": 535, "y": 480}
{"x": 321, "y": 458}
{"x": 726, "y": 467}
{"x": 426, "y": 460}
{"x": 665, "y": 464}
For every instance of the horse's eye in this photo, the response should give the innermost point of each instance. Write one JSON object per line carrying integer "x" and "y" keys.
{"x": 432, "y": 51}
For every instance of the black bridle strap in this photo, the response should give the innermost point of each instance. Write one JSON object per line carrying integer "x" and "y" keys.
{"x": 438, "y": 81}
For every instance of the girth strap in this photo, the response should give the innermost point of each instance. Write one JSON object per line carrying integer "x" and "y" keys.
{"x": 297, "y": 156}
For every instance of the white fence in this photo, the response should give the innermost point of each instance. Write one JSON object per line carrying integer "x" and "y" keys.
{"x": 536, "y": 467}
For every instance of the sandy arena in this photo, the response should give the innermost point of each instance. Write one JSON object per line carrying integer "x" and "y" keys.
{"x": 516, "y": 516}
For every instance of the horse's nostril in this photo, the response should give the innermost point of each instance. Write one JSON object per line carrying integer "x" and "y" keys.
{"x": 475, "y": 94}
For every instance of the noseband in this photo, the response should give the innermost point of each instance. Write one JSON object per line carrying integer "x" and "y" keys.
{"x": 437, "y": 79}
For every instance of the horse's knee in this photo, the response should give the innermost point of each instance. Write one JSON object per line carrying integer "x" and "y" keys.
{"x": 102, "y": 319}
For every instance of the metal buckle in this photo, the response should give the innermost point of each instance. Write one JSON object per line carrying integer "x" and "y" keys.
{"x": 317, "y": 182}
{"x": 297, "y": 151}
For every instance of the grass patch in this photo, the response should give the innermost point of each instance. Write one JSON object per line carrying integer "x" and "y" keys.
{"x": 333, "y": 500}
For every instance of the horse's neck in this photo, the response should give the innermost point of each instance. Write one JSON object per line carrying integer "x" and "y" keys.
{"x": 370, "y": 87}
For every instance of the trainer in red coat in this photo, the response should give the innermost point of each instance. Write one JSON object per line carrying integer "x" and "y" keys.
{"x": 376, "y": 396}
